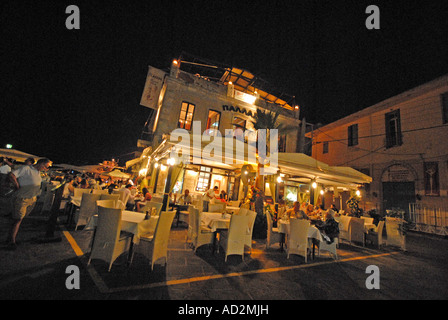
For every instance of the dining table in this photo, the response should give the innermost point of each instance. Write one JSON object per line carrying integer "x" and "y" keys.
{"x": 217, "y": 222}
{"x": 314, "y": 235}
{"x": 132, "y": 222}
{"x": 74, "y": 203}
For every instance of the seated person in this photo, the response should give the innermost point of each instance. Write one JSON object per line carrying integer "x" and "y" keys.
{"x": 185, "y": 199}
{"x": 296, "y": 213}
{"x": 329, "y": 229}
{"x": 146, "y": 197}
{"x": 131, "y": 202}
{"x": 223, "y": 196}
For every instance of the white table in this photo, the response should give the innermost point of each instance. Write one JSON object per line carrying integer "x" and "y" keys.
{"x": 313, "y": 232}
{"x": 216, "y": 220}
{"x": 132, "y": 222}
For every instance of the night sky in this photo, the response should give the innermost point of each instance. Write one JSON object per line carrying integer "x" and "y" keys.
{"x": 73, "y": 95}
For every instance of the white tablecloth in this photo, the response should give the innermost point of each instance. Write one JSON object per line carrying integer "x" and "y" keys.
{"x": 76, "y": 201}
{"x": 232, "y": 210}
{"x": 133, "y": 222}
{"x": 216, "y": 220}
{"x": 313, "y": 232}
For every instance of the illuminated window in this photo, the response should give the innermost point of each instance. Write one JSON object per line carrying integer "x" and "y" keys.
{"x": 204, "y": 179}
{"x": 186, "y": 116}
{"x": 213, "y": 122}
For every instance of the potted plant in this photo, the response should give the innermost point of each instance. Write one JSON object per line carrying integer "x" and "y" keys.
{"x": 353, "y": 204}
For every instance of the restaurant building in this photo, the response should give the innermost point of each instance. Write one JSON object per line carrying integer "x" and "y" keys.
{"x": 216, "y": 103}
{"x": 401, "y": 143}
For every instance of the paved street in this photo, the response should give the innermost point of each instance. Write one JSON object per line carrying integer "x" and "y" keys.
{"x": 38, "y": 271}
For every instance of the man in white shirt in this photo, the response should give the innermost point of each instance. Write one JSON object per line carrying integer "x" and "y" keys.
{"x": 131, "y": 202}
{"x": 209, "y": 197}
{"x": 27, "y": 181}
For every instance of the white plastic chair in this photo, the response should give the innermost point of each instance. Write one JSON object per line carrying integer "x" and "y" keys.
{"x": 191, "y": 224}
{"x": 124, "y": 196}
{"x": 298, "y": 238}
{"x": 217, "y": 207}
{"x": 273, "y": 236}
{"x": 87, "y": 209}
{"x": 332, "y": 247}
{"x": 78, "y": 192}
{"x": 251, "y": 215}
{"x": 109, "y": 243}
{"x": 149, "y": 207}
{"x": 356, "y": 231}
{"x": 234, "y": 240}
{"x": 344, "y": 225}
{"x": 376, "y": 235}
{"x": 106, "y": 204}
{"x": 107, "y": 196}
{"x": 367, "y": 220}
{"x": 202, "y": 235}
{"x": 158, "y": 241}
{"x": 100, "y": 191}
{"x": 394, "y": 235}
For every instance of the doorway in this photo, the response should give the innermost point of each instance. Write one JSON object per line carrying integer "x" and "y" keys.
{"x": 398, "y": 195}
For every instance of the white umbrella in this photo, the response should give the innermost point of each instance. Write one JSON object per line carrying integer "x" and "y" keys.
{"x": 17, "y": 155}
{"x": 118, "y": 174}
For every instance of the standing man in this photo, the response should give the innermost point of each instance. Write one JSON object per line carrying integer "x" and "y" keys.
{"x": 27, "y": 181}
{"x": 208, "y": 197}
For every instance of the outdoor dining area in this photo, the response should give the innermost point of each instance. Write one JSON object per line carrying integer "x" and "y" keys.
{"x": 244, "y": 213}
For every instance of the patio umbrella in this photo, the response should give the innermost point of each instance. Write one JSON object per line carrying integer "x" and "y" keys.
{"x": 118, "y": 174}
{"x": 17, "y": 155}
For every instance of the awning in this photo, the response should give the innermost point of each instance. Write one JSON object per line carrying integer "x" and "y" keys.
{"x": 305, "y": 169}
{"x": 297, "y": 166}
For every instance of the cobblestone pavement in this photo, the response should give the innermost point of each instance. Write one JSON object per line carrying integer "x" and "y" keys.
{"x": 37, "y": 270}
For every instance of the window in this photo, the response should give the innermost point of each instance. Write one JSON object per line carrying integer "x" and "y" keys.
{"x": 213, "y": 122}
{"x": 239, "y": 125}
{"x": 393, "y": 129}
{"x": 282, "y": 143}
{"x": 204, "y": 179}
{"x": 353, "y": 135}
{"x": 186, "y": 116}
{"x": 445, "y": 107}
{"x": 325, "y": 147}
